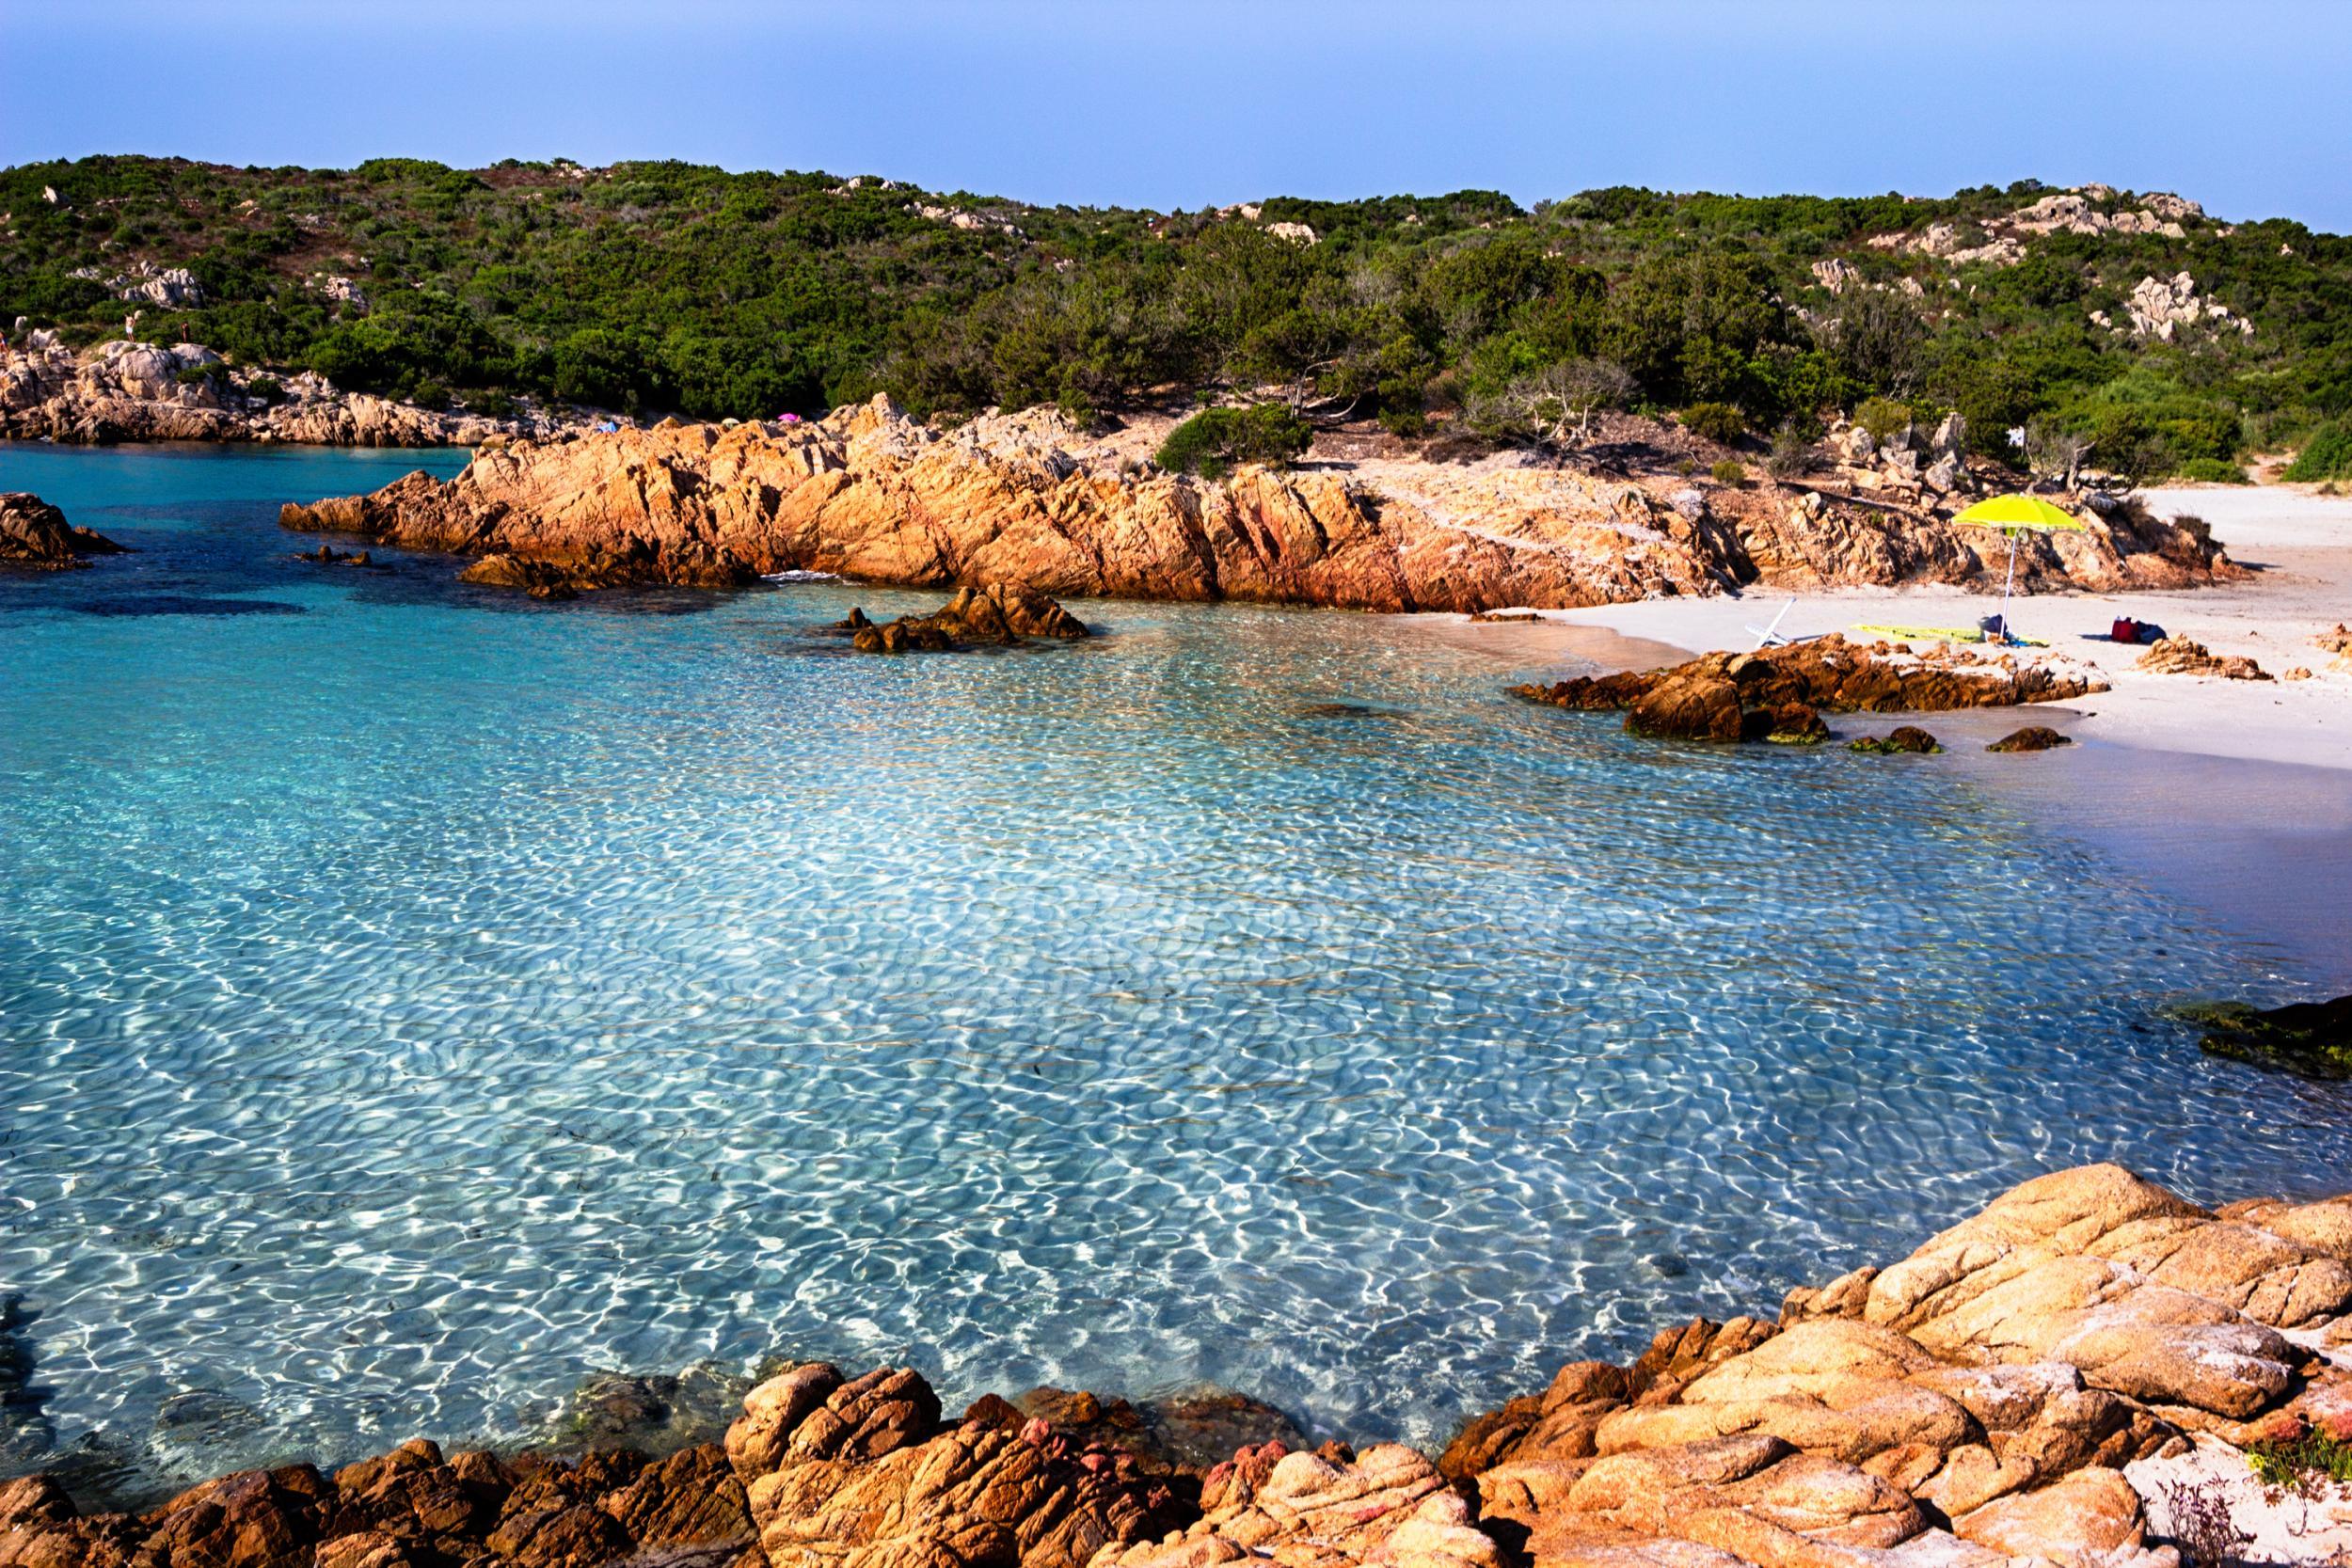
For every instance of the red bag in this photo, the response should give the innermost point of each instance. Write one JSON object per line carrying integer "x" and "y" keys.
{"x": 2124, "y": 630}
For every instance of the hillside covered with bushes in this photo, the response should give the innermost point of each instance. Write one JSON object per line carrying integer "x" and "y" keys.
{"x": 2173, "y": 340}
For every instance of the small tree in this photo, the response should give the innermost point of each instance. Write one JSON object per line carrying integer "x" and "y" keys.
{"x": 2055, "y": 455}
{"x": 1556, "y": 405}
{"x": 1877, "y": 340}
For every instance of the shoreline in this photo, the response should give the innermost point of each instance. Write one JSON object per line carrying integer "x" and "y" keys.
{"x": 1968, "y": 1405}
{"x": 2229, "y": 797}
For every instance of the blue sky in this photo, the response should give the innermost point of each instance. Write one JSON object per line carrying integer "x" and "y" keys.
{"x": 2244, "y": 105}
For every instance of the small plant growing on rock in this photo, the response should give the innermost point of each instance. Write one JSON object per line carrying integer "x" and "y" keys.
{"x": 1729, "y": 473}
{"x": 1720, "y": 423}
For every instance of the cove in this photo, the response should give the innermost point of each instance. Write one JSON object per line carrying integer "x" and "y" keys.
{"x": 412, "y": 1004}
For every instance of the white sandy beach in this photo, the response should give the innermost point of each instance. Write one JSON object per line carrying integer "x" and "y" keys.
{"x": 2299, "y": 545}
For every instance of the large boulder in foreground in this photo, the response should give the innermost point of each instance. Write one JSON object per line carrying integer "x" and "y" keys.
{"x": 35, "y": 534}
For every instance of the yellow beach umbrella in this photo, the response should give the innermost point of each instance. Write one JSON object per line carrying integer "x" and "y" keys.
{"x": 2015, "y": 515}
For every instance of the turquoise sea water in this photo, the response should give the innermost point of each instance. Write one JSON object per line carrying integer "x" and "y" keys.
{"x": 413, "y": 997}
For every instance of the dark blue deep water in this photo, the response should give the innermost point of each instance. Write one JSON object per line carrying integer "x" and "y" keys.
{"x": 413, "y": 997}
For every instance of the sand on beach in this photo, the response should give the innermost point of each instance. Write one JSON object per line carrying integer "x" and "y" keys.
{"x": 2299, "y": 545}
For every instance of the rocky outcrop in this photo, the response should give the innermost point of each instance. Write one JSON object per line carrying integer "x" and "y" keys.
{"x": 870, "y": 493}
{"x": 132, "y": 392}
{"x": 2033, "y": 738}
{"x": 35, "y": 534}
{"x": 2002, "y": 242}
{"x": 2159, "y": 306}
{"x": 1767, "y": 694}
{"x": 1974, "y": 1406}
{"x": 2181, "y": 656}
{"x": 997, "y": 615}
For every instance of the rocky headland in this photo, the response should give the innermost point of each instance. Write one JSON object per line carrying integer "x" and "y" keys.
{"x": 133, "y": 391}
{"x": 2075, "y": 1376}
{"x": 1029, "y": 500}
{"x": 35, "y": 535}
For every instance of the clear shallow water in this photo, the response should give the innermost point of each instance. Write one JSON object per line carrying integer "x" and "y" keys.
{"x": 416, "y": 997}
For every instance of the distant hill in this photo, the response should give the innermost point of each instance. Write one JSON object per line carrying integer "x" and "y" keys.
{"x": 2174, "y": 341}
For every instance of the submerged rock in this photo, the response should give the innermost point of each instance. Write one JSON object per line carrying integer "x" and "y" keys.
{"x": 658, "y": 1413}
{"x": 35, "y": 534}
{"x": 2312, "y": 1039}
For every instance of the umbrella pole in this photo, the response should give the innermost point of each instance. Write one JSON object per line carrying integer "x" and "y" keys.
{"x": 2008, "y": 578}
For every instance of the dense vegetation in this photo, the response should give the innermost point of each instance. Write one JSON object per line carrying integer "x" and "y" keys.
{"x": 673, "y": 287}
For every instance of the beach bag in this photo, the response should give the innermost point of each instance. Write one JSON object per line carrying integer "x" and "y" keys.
{"x": 2124, "y": 630}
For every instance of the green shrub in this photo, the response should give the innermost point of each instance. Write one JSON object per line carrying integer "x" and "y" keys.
{"x": 1214, "y": 440}
{"x": 2326, "y": 456}
{"x": 2212, "y": 470}
{"x": 196, "y": 375}
{"x": 1717, "y": 422}
{"x": 1728, "y": 472}
{"x": 1882, "y": 417}
{"x": 267, "y": 387}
